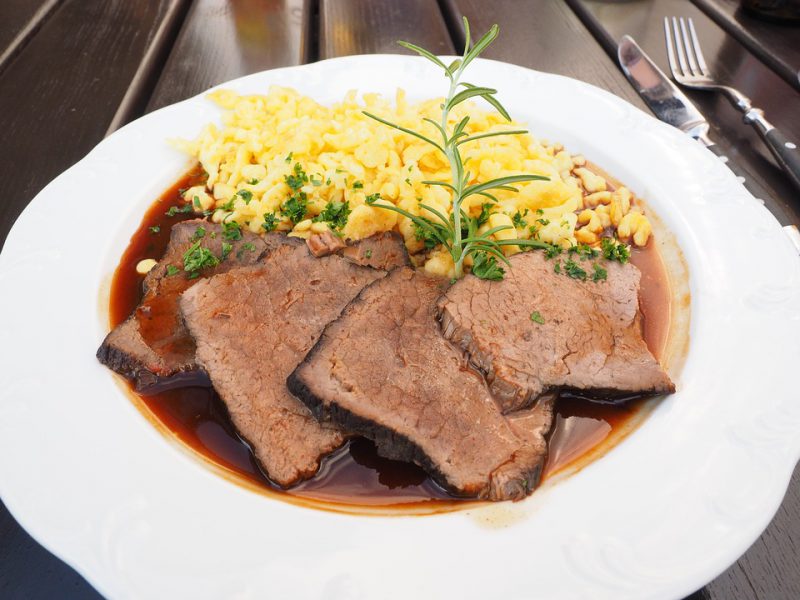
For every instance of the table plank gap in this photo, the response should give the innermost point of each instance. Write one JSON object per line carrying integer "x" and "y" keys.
{"x": 146, "y": 77}
{"x": 223, "y": 40}
{"x": 19, "y": 22}
{"x": 364, "y": 27}
{"x": 776, "y": 45}
{"x": 68, "y": 84}
{"x": 310, "y": 32}
{"x": 535, "y": 35}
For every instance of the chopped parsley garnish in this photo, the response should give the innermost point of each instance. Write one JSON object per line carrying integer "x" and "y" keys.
{"x": 357, "y": 185}
{"x": 246, "y": 247}
{"x": 198, "y": 257}
{"x": 199, "y": 233}
{"x": 426, "y": 234}
{"x": 373, "y": 198}
{"x": 537, "y": 317}
{"x": 295, "y": 207}
{"x": 539, "y": 211}
{"x": 196, "y": 201}
{"x": 368, "y": 253}
{"x": 176, "y": 210}
{"x": 584, "y": 251}
{"x": 154, "y": 229}
{"x": 245, "y": 195}
{"x": 297, "y": 179}
{"x": 543, "y": 221}
{"x": 485, "y": 266}
{"x": 289, "y": 157}
{"x": 172, "y": 270}
{"x": 485, "y": 212}
{"x": 231, "y": 231}
{"x": 600, "y": 274}
{"x": 226, "y": 250}
{"x": 270, "y": 222}
{"x": 518, "y": 220}
{"x": 557, "y": 267}
{"x": 315, "y": 182}
{"x": 572, "y": 269}
{"x": 552, "y": 251}
{"x": 228, "y": 206}
{"x": 335, "y": 213}
{"x": 613, "y": 250}
{"x": 408, "y": 181}
{"x": 253, "y": 181}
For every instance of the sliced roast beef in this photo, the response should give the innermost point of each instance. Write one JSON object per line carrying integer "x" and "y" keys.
{"x": 383, "y": 370}
{"x": 385, "y": 251}
{"x": 590, "y": 340}
{"x": 252, "y": 327}
{"x": 327, "y": 242}
{"x": 152, "y": 347}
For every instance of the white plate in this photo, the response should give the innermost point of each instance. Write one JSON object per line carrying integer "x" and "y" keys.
{"x": 663, "y": 513}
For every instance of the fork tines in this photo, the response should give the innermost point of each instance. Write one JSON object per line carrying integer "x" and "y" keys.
{"x": 690, "y": 62}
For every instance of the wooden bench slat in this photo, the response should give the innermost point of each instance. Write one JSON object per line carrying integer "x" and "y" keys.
{"x": 546, "y": 36}
{"x": 368, "y": 27}
{"x": 62, "y": 91}
{"x": 778, "y": 46}
{"x": 19, "y": 20}
{"x": 222, "y": 40}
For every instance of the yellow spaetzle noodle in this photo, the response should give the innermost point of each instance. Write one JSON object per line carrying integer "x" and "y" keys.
{"x": 349, "y": 156}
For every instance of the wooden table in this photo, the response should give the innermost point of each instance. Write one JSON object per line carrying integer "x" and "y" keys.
{"x": 71, "y": 71}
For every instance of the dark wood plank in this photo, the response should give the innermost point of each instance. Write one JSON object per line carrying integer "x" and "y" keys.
{"x": 222, "y": 40}
{"x": 57, "y": 98}
{"x": 770, "y": 567}
{"x": 730, "y": 62}
{"x": 366, "y": 27}
{"x": 19, "y": 20}
{"x": 62, "y": 92}
{"x": 546, "y": 36}
{"x": 775, "y": 44}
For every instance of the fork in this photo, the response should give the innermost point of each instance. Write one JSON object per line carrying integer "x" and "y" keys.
{"x": 689, "y": 69}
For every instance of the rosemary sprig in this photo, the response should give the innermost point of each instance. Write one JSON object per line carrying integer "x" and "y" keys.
{"x": 458, "y": 232}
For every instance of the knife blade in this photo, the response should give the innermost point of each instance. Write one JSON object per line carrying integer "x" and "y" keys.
{"x": 672, "y": 106}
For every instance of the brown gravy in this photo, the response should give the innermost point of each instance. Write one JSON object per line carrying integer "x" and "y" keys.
{"x": 355, "y": 475}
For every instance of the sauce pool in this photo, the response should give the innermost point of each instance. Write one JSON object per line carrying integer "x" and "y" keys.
{"x": 355, "y": 475}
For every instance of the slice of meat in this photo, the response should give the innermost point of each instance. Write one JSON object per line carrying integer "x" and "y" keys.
{"x": 252, "y": 327}
{"x": 327, "y": 242}
{"x": 385, "y": 251}
{"x": 152, "y": 347}
{"x": 383, "y": 370}
{"x": 590, "y": 341}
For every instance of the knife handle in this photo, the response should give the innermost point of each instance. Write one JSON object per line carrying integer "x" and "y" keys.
{"x": 752, "y": 186}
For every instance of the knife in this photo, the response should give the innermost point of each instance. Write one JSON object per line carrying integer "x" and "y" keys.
{"x": 671, "y": 106}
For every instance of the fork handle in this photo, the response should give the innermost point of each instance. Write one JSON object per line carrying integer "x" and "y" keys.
{"x": 786, "y": 152}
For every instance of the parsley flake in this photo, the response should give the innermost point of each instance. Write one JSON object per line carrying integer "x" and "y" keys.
{"x": 336, "y": 213}
{"x": 572, "y": 269}
{"x": 518, "y": 220}
{"x": 198, "y": 257}
{"x": 154, "y": 229}
{"x": 270, "y": 222}
{"x": 172, "y": 270}
{"x": 537, "y": 317}
{"x": 245, "y": 195}
{"x": 485, "y": 266}
{"x": 176, "y": 210}
{"x": 231, "y": 231}
{"x": 600, "y": 274}
{"x": 613, "y": 250}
